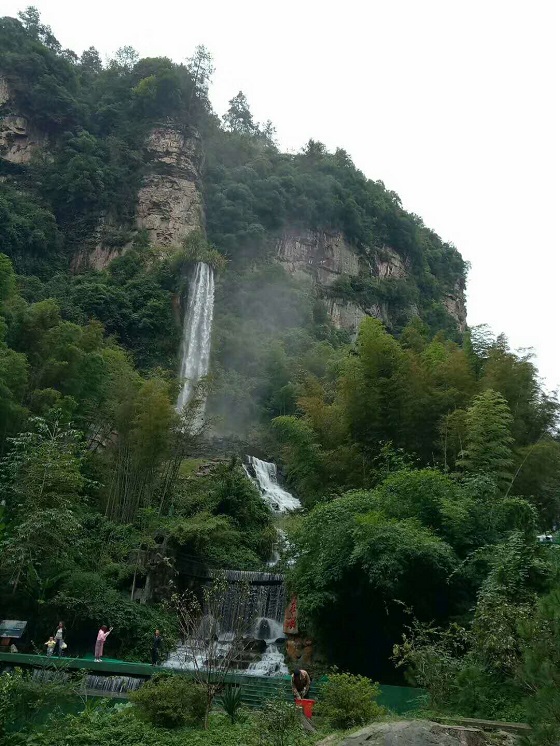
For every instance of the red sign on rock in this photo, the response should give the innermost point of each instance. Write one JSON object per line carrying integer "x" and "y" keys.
{"x": 290, "y": 618}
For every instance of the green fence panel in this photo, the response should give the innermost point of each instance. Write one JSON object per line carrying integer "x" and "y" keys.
{"x": 401, "y": 699}
{"x": 255, "y": 690}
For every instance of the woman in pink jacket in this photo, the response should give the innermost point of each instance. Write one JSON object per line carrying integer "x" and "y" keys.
{"x": 102, "y": 635}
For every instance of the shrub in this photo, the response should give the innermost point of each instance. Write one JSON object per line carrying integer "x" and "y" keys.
{"x": 278, "y": 724}
{"x": 348, "y": 700}
{"x": 170, "y": 701}
{"x": 24, "y": 699}
{"x": 116, "y": 725}
{"x": 480, "y": 693}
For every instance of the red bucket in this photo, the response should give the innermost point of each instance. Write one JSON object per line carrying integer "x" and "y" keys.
{"x": 307, "y": 706}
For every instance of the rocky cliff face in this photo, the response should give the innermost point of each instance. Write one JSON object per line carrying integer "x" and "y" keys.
{"x": 169, "y": 201}
{"x": 169, "y": 207}
{"x": 169, "y": 204}
{"x": 322, "y": 257}
{"x": 456, "y": 306}
{"x": 18, "y": 138}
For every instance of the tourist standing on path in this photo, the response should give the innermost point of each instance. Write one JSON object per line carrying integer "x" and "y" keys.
{"x": 59, "y": 639}
{"x": 102, "y": 635}
{"x": 156, "y": 647}
{"x": 51, "y": 644}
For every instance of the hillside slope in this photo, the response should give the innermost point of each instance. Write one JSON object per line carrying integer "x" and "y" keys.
{"x": 425, "y": 454}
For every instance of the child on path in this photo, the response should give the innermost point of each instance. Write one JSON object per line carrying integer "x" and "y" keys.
{"x": 102, "y": 635}
{"x": 51, "y": 642}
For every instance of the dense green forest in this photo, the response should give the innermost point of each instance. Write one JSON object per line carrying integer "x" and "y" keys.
{"x": 427, "y": 459}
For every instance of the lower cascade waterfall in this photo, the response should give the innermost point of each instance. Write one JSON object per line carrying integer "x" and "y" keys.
{"x": 107, "y": 684}
{"x": 265, "y": 606}
{"x": 267, "y": 600}
{"x": 197, "y": 333}
{"x": 272, "y": 661}
{"x": 265, "y": 475}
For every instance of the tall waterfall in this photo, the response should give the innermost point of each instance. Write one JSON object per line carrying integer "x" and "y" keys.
{"x": 267, "y": 599}
{"x": 197, "y": 332}
{"x": 266, "y": 477}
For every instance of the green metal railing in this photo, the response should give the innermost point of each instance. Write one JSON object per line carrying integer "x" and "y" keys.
{"x": 255, "y": 690}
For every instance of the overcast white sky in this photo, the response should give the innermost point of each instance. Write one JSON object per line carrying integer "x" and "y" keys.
{"x": 452, "y": 103}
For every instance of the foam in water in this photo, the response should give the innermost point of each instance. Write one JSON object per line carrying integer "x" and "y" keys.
{"x": 193, "y": 655}
{"x": 270, "y": 630}
{"x": 197, "y": 333}
{"x": 266, "y": 477}
{"x": 271, "y": 663}
{"x": 113, "y": 684}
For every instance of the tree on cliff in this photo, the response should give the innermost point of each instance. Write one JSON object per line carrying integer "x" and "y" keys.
{"x": 201, "y": 68}
{"x": 238, "y": 117}
{"x": 31, "y": 20}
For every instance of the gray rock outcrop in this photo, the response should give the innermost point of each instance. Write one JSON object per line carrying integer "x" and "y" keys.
{"x": 456, "y": 307}
{"x": 322, "y": 257}
{"x": 422, "y": 733}
{"x": 19, "y": 140}
{"x": 169, "y": 201}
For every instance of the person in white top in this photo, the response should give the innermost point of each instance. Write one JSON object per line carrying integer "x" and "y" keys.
{"x": 59, "y": 639}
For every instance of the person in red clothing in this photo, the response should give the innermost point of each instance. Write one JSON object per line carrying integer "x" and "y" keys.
{"x": 102, "y": 635}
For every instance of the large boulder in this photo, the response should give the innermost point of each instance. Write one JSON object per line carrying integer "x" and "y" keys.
{"x": 422, "y": 733}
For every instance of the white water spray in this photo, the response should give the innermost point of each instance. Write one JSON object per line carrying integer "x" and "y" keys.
{"x": 266, "y": 478}
{"x": 272, "y": 661}
{"x": 197, "y": 333}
